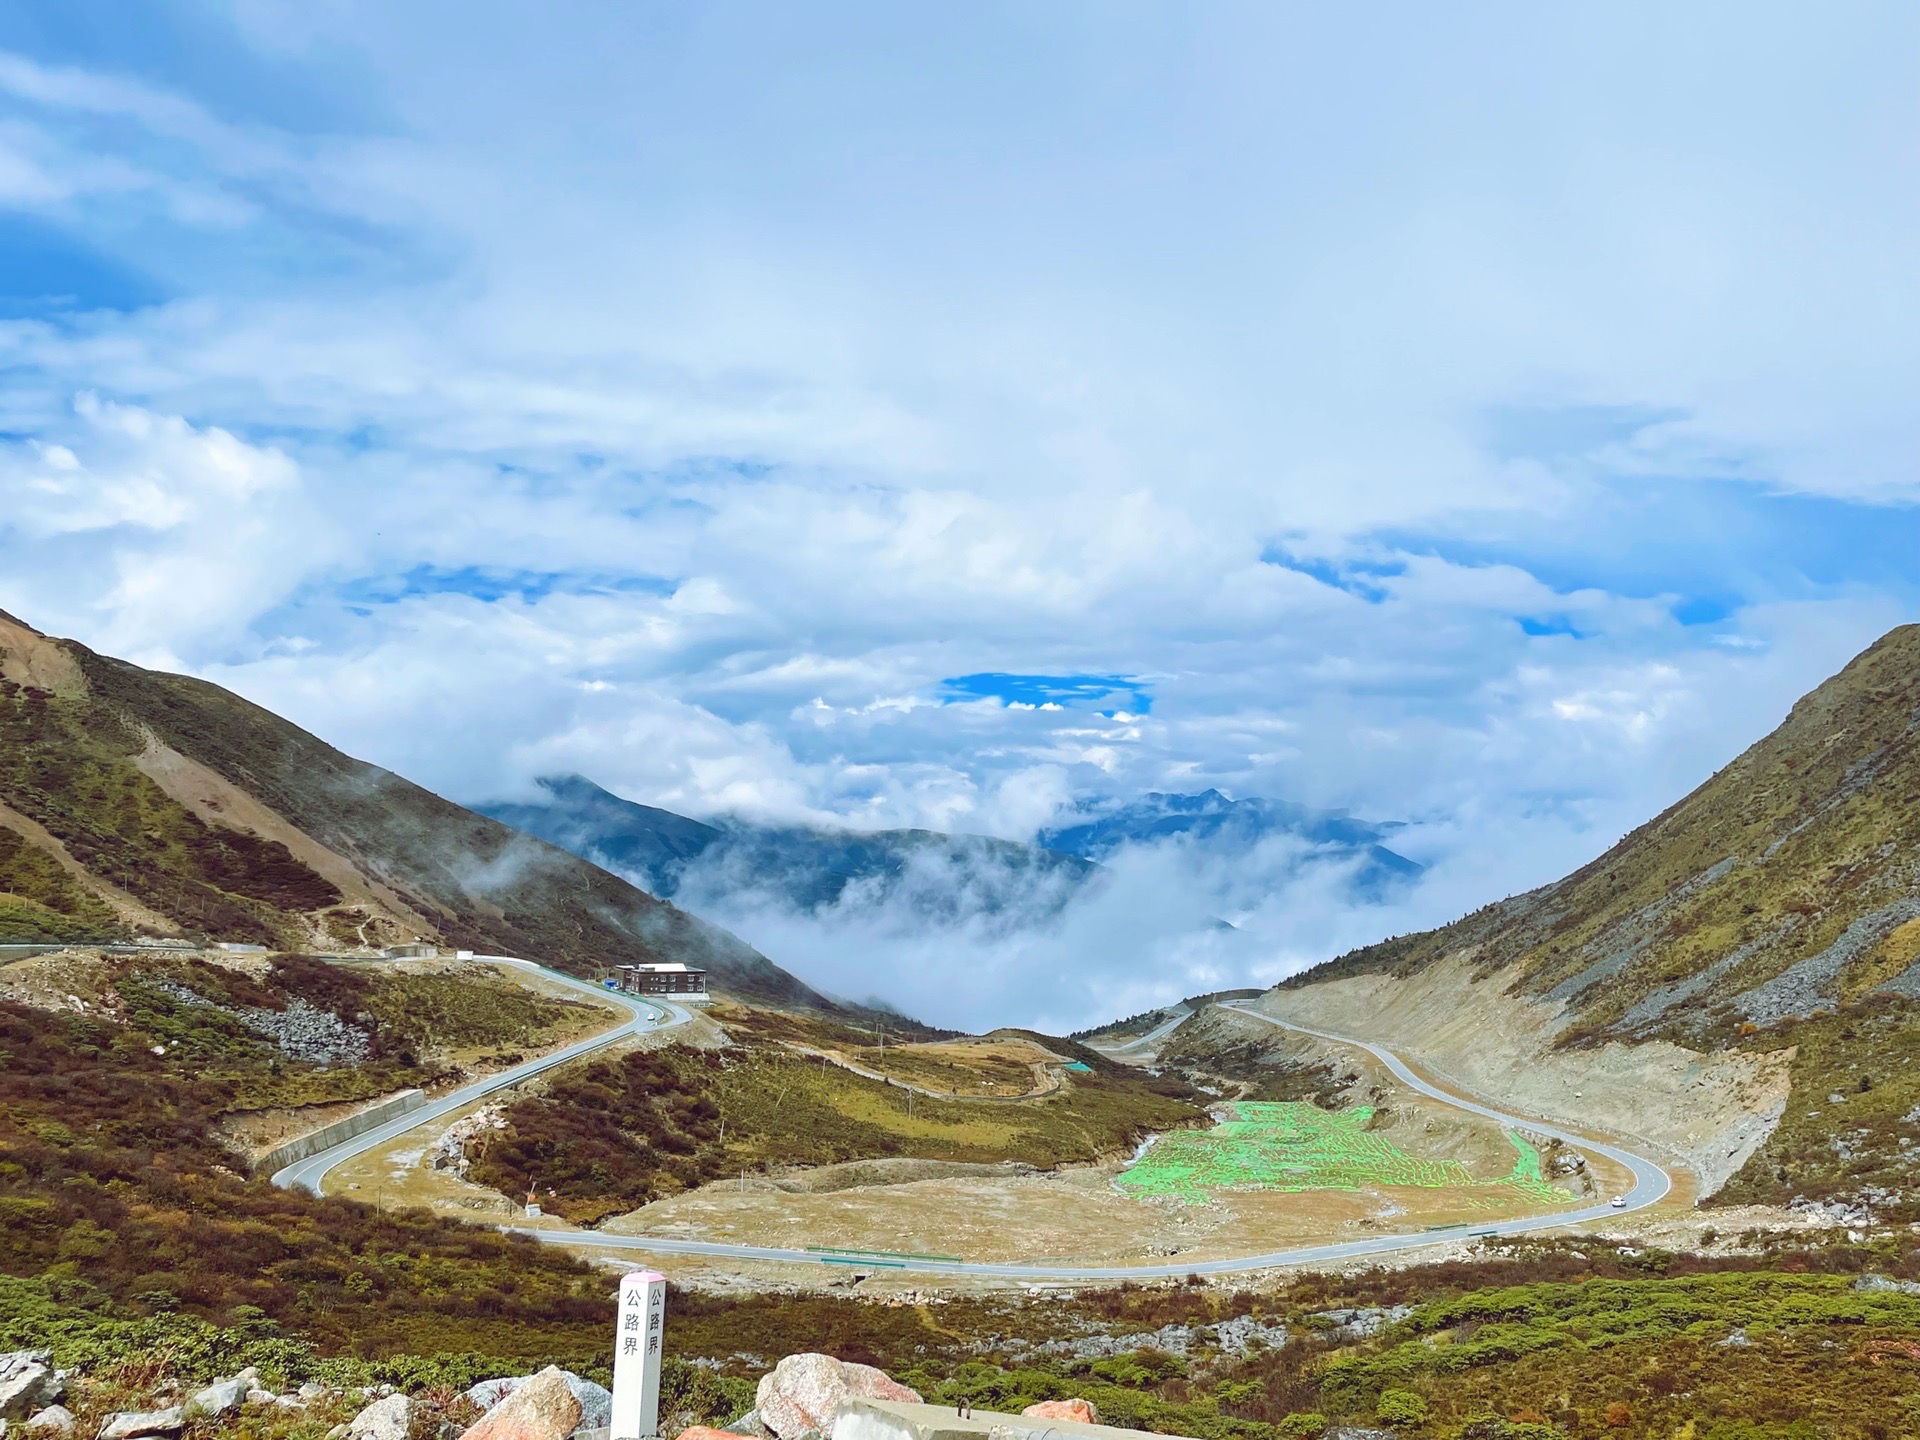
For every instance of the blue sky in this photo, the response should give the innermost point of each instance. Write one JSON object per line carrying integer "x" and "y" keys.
{"x": 1489, "y": 419}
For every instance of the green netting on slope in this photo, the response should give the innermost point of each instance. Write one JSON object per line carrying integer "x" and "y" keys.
{"x": 1527, "y": 1176}
{"x": 1292, "y": 1145}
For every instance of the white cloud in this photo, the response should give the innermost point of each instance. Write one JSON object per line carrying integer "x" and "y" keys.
{"x": 565, "y": 414}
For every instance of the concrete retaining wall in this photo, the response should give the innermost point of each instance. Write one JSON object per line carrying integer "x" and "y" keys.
{"x": 314, "y": 1141}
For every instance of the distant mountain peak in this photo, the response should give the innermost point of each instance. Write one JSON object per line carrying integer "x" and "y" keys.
{"x": 809, "y": 868}
{"x": 1096, "y": 827}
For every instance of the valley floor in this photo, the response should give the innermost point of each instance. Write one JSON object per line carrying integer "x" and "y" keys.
{"x": 1073, "y": 1215}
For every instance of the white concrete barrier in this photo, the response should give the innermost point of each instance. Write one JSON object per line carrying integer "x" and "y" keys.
{"x": 358, "y": 1123}
{"x": 859, "y": 1419}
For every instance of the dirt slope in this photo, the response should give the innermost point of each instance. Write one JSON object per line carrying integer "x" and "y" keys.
{"x": 1786, "y": 883}
{"x": 1736, "y": 980}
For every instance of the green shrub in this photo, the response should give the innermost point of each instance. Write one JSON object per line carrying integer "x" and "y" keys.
{"x": 1400, "y": 1407}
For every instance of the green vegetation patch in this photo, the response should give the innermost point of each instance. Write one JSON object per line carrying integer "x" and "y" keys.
{"x": 117, "y": 1200}
{"x": 41, "y": 900}
{"x": 1293, "y": 1145}
{"x": 608, "y": 1136}
{"x": 1851, "y": 1129}
{"x": 464, "y": 1011}
{"x": 1764, "y": 1348}
{"x": 1544, "y": 1339}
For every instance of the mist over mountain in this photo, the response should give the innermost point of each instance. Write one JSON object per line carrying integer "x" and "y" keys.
{"x": 1127, "y": 903}
{"x": 940, "y": 878}
{"x": 1095, "y": 828}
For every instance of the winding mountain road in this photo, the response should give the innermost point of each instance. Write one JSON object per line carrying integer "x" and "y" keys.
{"x": 645, "y": 1016}
{"x": 1651, "y": 1183}
{"x": 1165, "y": 1027}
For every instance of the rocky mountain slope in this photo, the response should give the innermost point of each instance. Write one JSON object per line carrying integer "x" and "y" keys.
{"x": 1786, "y": 884}
{"x": 1736, "y": 978}
{"x": 939, "y": 875}
{"x": 139, "y": 803}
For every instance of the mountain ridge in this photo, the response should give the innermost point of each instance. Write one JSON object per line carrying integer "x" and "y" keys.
{"x": 812, "y": 868}
{"x": 1770, "y": 889}
{"x": 134, "y": 800}
{"x": 1738, "y": 978}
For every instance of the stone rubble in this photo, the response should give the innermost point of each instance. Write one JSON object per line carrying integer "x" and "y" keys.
{"x": 218, "y": 1398}
{"x": 1359, "y": 1324}
{"x": 1870, "y": 1283}
{"x": 303, "y": 1031}
{"x": 55, "y": 1418}
{"x": 449, "y": 1152}
{"x": 1231, "y": 1337}
{"x": 1244, "y": 1332}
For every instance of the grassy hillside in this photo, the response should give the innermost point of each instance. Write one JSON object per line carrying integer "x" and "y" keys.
{"x": 1784, "y": 885}
{"x": 66, "y": 765}
{"x": 131, "y": 1245}
{"x": 609, "y": 1136}
{"x": 1776, "y": 906}
{"x": 307, "y": 1032}
{"x": 113, "y": 1186}
{"x": 1530, "y": 1342}
{"x": 137, "y": 801}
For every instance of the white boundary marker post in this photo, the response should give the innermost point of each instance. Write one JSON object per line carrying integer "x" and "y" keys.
{"x": 640, "y": 1327}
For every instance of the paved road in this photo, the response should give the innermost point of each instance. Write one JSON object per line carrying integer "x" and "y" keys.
{"x": 1140, "y": 1042}
{"x": 645, "y": 1015}
{"x": 1047, "y": 1076}
{"x": 1650, "y": 1184}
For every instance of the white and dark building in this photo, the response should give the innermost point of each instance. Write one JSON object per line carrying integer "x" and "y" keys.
{"x": 682, "y": 982}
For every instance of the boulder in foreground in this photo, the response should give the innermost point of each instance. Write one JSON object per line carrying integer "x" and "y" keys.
{"x": 803, "y": 1393}
{"x": 596, "y": 1401}
{"x": 130, "y": 1424}
{"x": 543, "y": 1408}
{"x": 27, "y": 1383}
{"x": 1080, "y": 1411}
{"x": 384, "y": 1419}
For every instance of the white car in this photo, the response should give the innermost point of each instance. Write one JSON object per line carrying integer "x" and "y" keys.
{"x": 1618, "y": 1202}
